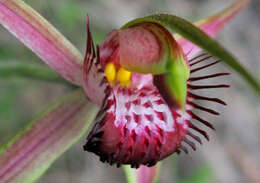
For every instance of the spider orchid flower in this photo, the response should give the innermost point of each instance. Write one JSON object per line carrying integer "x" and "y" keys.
{"x": 137, "y": 87}
{"x": 142, "y": 80}
{"x": 127, "y": 79}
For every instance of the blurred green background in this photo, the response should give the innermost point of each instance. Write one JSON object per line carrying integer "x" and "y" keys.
{"x": 232, "y": 155}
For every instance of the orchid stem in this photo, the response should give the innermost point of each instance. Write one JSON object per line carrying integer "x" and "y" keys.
{"x": 130, "y": 174}
{"x": 143, "y": 174}
{"x": 32, "y": 71}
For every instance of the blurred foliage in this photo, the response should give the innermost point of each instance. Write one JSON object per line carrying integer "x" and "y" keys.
{"x": 7, "y": 98}
{"x": 69, "y": 16}
{"x": 202, "y": 175}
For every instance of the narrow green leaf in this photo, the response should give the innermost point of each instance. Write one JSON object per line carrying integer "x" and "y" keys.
{"x": 30, "y": 71}
{"x": 26, "y": 156}
{"x": 198, "y": 37}
{"x": 211, "y": 26}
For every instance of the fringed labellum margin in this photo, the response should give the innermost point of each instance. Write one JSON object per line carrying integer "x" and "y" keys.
{"x": 136, "y": 125}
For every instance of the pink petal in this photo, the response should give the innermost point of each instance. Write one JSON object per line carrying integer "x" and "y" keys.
{"x": 42, "y": 38}
{"x": 31, "y": 152}
{"x": 211, "y": 25}
{"x": 140, "y": 48}
{"x": 109, "y": 49}
{"x": 95, "y": 83}
{"x": 147, "y": 48}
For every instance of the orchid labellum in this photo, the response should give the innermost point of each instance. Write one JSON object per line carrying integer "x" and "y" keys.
{"x": 138, "y": 89}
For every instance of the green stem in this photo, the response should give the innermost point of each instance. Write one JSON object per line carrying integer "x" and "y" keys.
{"x": 130, "y": 174}
{"x": 32, "y": 71}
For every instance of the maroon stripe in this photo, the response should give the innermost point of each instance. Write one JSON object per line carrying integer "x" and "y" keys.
{"x": 201, "y": 55}
{"x": 206, "y": 123}
{"x": 202, "y": 132}
{"x": 190, "y": 143}
{"x": 208, "y": 76}
{"x": 197, "y": 97}
{"x": 203, "y": 108}
{"x": 203, "y": 67}
{"x": 201, "y": 60}
{"x": 198, "y": 87}
{"x": 195, "y": 137}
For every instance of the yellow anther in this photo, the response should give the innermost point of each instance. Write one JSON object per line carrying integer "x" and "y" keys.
{"x": 110, "y": 72}
{"x": 123, "y": 76}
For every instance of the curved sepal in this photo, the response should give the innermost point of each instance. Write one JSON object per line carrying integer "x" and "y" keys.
{"x": 95, "y": 83}
{"x": 144, "y": 48}
{"x": 211, "y": 26}
{"x": 198, "y": 37}
{"x": 26, "y": 156}
{"x": 42, "y": 38}
{"x": 150, "y": 48}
